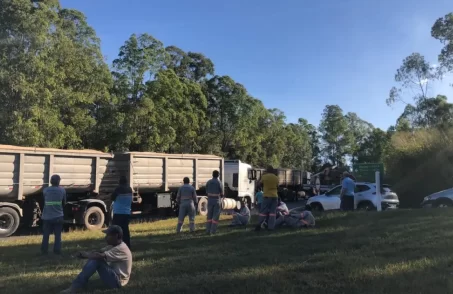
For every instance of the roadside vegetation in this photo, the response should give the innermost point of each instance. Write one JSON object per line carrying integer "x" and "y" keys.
{"x": 406, "y": 251}
{"x": 58, "y": 90}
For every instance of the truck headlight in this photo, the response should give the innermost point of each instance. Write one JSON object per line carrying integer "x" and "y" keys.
{"x": 427, "y": 198}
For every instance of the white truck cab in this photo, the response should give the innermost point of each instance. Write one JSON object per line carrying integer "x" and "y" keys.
{"x": 239, "y": 181}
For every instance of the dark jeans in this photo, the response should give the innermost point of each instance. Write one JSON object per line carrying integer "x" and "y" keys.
{"x": 50, "y": 226}
{"x": 122, "y": 220}
{"x": 106, "y": 273}
{"x": 347, "y": 203}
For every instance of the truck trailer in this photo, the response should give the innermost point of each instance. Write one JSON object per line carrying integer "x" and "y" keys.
{"x": 89, "y": 178}
{"x": 26, "y": 171}
{"x": 154, "y": 178}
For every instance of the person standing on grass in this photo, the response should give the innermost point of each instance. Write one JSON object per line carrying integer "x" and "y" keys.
{"x": 270, "y": 195}
{"x": 122, "y": 202}
{"x": 259, "y": 198}
{"x": 214, "y": 190}
{"x": 113, "y": 263}
{"x": 52, "y": 215}
{"x": 187, "y": 200}
{"x": 347, "y": 192}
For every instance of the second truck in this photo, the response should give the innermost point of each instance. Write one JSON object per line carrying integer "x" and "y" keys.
{"x": 89, "y": 177}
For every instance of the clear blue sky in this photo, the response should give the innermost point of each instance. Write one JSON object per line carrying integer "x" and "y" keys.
{"x": 295, "y": 55}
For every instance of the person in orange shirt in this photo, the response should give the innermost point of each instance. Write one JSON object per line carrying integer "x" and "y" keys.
{"x": 270, "y": 196}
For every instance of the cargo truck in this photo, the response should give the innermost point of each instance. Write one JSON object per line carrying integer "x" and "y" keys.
{"x": 25, "y": 172}
{"x": 293, "y": 183}
{"x": 240, "y": 181}
{"x": 89, "y": 177}
{"x": 154, "y": 178}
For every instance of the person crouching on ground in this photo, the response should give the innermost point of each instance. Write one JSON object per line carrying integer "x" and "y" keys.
{"x": 187, "y": 200}
{"x": 113, "y": 263}
{"x": 297, "y": 219}
{"x": 242, "y": 217}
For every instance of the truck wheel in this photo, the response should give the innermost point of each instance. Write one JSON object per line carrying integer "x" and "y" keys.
{"x": 203, "y": 206}
{"x": 9, "y": 221}
{"x": 94, "y": 218}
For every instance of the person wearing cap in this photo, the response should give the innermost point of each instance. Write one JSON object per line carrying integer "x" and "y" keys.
{"x": 52, "y": 215}
{"x": 347, "y": 192}
{"x": 187, "y": 200}
{"x": 214, "y": 189}
{"x": 270, "y": 195}
{"x": 297, "y": 219}
{"x": 122, "y": 201}
{"x": 113, "y": 263}
{"x": 242, "y": 217}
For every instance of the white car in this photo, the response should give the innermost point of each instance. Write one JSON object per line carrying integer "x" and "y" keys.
{"x": 365, "y": 198}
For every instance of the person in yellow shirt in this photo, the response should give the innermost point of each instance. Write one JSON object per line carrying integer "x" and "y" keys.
{"x": 270, "y": 196}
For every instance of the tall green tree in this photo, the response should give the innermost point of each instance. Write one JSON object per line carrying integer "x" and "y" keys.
{"x": 416, "y": 75}
{"x": 137, "y": 65}
{"x": 442, "y": 30}
{"x": 52, "y": 75}
{"x": 336, "y": 136}
{"x": 374, "y": 146}
{"x": 360, "y": 131}
{"x": 429, "y": 113}
{"x": 193, "y": 66}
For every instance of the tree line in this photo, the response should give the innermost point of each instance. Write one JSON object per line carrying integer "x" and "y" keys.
{"x": 57, "y": 90}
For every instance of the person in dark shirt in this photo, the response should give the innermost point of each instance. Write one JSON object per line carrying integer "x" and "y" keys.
{"x": 122, "y": 202}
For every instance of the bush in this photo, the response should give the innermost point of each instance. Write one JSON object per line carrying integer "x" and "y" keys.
{"x": 420, "y": 163}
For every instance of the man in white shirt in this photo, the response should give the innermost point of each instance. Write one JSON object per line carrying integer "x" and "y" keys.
{"x": 113, "y": 263}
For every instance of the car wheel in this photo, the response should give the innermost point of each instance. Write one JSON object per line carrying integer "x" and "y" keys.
{"x": 444, "y": 203}
{"x": 366, "y": 206}
{"x": 316, "y": 207}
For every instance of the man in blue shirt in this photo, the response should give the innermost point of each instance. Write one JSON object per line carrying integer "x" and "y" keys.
{"x": 347, "y": 192}
{"x": 122, "y": 202}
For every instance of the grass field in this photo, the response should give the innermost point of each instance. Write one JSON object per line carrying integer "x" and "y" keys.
{"x": 406, "y": 251}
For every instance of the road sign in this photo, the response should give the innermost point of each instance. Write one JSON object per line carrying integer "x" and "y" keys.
{"x": 366, "y": 172}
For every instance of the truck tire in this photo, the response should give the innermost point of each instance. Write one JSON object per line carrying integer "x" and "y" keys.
{"x": 203, "y": 206}
{"x": 94, "y": 218}
{"x": 9, "y": 221}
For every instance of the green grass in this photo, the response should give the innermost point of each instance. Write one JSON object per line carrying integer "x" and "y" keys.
{"x": 406, "y": 251}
